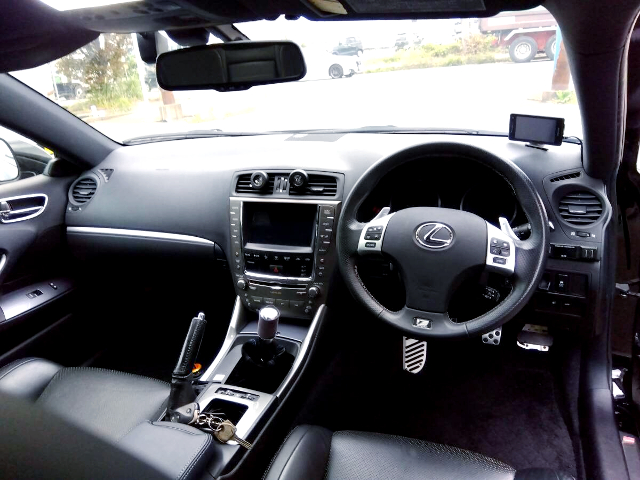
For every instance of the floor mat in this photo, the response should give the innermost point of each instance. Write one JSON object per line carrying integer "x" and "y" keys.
{"x": 499, "y": 402}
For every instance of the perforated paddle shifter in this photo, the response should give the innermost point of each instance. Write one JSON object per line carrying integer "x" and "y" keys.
{"x": 181, "y": 388}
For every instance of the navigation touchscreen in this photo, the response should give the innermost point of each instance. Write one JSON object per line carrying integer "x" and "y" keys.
{"x": 278, "y": 224}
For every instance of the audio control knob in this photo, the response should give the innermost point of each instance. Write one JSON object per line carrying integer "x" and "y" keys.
{"x": 241, "y": 284}
{"x": 313, "y": 292}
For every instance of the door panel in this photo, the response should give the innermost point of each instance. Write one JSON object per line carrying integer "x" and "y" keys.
{"x": 35, "y": 277}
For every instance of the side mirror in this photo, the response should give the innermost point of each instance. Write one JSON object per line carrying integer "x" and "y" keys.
{"x": 9, "y": 169}
{"x": 230, "y": 66}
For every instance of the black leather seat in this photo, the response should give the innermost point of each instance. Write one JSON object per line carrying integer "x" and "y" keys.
{"x": 315, "y": 453}
{"x": 105, "y": 402}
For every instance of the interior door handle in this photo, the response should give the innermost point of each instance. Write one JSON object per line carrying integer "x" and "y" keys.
{"x": 23, "y": 207}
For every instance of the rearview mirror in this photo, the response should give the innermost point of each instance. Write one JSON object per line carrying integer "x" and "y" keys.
{"x": 8, "y": 166}
{"x": 230, "y": 66}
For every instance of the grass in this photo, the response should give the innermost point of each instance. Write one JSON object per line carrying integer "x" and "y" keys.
{"x": 566, "y": 97}
{"x": 413, "y": 61}
{"x": 119, "y": 98}
{"x": 473, "y": 50}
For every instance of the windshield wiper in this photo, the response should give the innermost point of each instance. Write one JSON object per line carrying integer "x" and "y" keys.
{"x": 187, "y": 135}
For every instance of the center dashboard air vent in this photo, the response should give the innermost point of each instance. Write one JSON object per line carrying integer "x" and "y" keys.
{"x": 243, "y": 185}
{"x": 278, "y": 183}
{"x": 83, "y": 190}
{"x": 580, "y": 208}
{"x": 318, "y": 186}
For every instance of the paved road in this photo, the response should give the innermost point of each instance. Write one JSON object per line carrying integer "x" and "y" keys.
{"x": 470, "y": 96}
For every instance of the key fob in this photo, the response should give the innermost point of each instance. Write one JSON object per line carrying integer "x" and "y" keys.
{"x": 186, "y": 414}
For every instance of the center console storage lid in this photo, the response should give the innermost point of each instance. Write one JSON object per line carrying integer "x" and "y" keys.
{"x": 176, "y": 450}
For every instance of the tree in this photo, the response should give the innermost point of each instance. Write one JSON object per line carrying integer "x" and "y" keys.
{"x": 101, "y": 64}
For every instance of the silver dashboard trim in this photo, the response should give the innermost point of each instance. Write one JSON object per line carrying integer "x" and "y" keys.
{"x": 232, "y": 333}
{"x": 302, "y": 354}
{"x": 317, "y": 201}
{"x": 121, "y": 232}
{"x": 286, "y": 280}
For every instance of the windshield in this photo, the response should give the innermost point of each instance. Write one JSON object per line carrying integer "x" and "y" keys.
{"x": 429, "y": 74}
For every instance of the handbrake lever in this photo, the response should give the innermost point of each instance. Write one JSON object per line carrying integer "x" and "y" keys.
{"x": 181, "y": 388}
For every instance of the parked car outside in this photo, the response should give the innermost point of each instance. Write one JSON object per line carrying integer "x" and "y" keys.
{"x": 349, "y": 46}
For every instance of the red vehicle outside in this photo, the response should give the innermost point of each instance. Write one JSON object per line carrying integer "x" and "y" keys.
{"x": 526, "y": 33}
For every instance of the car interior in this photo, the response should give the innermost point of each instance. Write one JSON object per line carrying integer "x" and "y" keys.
{"x": 366, "y": 303}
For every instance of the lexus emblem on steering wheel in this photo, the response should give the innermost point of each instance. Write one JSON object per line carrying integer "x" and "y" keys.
{"x": 434, "y": 235}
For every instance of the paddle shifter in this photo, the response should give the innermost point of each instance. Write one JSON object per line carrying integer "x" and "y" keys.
{"x": 181, "y": 388}
{"x": 264, "y": 350}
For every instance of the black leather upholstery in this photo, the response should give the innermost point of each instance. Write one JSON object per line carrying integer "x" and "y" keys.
{"x": 306, "y": 449}
{"x": 311, "y": 453}
{"x": 27, "y": 378}
{"x": 107, "y": 403}
{"x": 35, "y": 445}
{"x": 175, "y": 450}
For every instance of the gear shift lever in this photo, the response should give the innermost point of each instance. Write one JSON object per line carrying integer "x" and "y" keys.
{"x": 181, "y": 388}
{"x": 268, "y": 318}
{"x": 264, "y": 350}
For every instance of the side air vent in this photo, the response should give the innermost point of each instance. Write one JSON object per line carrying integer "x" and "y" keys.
{"x": 580, "y": 208}
{"x": 83, "y": 190}
{"x": 243, "y": 185}
{"x": 319, "y": 186}
{"x": 566, "y": 176}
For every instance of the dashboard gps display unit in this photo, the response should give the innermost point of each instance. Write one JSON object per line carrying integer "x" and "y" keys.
{"x": 537, "y": 130}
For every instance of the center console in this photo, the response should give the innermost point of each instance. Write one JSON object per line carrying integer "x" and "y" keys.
{"x": 283, "y": 241}
{"x": 282, "y": 255}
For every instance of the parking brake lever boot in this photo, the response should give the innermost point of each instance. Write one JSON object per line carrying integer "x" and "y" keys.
{"x": 264, "y": 350}
{"x": 181, "y": 388}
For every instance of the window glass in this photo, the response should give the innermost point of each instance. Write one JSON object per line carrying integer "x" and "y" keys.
{"x": 433, "y": 74}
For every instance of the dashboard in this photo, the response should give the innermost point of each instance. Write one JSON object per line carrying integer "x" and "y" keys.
{"x": 236, "y": 199}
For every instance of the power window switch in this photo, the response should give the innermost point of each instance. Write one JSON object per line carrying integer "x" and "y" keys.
{"x": 562, "y": 282}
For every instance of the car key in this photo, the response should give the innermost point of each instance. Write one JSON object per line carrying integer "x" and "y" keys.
{"x": 186, "y": 414}
{"x": 227, "y": 432}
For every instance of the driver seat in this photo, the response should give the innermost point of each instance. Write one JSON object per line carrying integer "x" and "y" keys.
{"x": 315, "y": 453}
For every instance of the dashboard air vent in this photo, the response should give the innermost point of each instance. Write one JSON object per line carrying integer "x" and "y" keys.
{"x": 243, "y": 185}
{"x": 83, "y": 190}
{"x": 319, "y": 186}
{"x": 566, "y": 176}
{"x": 580, "y": 208}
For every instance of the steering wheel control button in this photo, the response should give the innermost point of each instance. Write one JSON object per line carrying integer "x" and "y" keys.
{"x": 500, "y": 251}
{"x": 372, "y": 234}
{"x": 423, "y": 323}
{"x": 500, "y": 247}
{"x": 434, "y": 235}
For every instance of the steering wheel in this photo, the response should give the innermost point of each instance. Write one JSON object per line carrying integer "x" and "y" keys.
{"x": 436, "y": 249}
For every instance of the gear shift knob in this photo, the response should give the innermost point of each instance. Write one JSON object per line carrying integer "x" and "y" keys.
{"x": 268, "y": 322}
